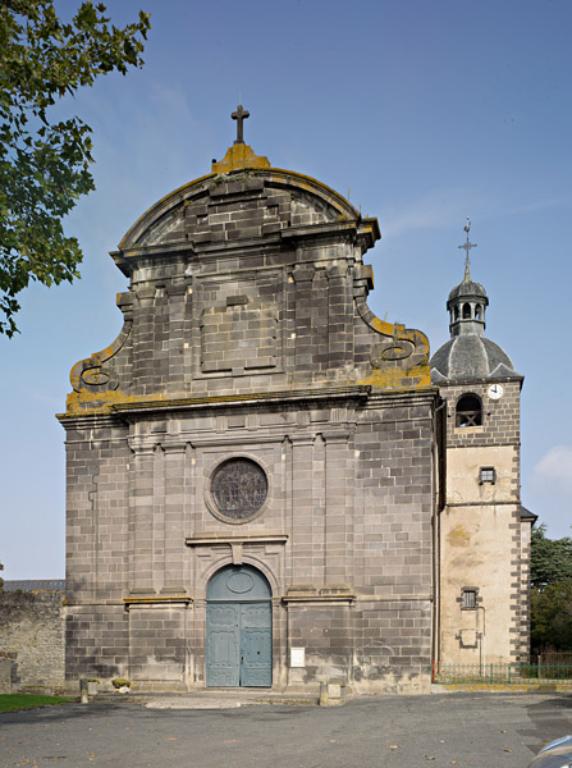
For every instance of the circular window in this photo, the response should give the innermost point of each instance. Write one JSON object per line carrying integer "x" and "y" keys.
{"x": 239, "y": 488}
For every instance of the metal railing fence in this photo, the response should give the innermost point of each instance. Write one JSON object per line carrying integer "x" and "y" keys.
{"x": 506, "y": 673}
{"x": 555, "y": 657}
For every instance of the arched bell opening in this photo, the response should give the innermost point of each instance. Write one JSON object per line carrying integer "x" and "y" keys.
{"x": 469, "y": 411}
{"x": 239, "y": 629}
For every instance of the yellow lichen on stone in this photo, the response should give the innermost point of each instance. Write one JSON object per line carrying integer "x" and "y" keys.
{"x": 399, "y": 332}
{"x": 240, "y": 156}
{"x": 87, "y": 402}
{"x": 418, "y": 377}
{"x": 459, "y": 536}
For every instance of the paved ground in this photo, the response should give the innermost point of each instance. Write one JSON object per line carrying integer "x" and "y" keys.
{"x": 462, "y": 730}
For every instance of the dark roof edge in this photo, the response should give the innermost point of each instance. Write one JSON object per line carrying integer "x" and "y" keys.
{"x": 527, "y": 516}
{"x": 440, "y": 379}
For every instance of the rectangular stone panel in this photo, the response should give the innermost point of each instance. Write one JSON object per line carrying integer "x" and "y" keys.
{"x": 157, "y": 643}
{"x": 239, "y": 337}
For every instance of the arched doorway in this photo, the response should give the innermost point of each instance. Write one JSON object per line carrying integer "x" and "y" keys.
{"x": 239, "y": 628}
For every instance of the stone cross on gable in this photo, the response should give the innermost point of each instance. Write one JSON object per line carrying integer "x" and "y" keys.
{"x": 240, "y": 115}
{"x": 467, "y": 246}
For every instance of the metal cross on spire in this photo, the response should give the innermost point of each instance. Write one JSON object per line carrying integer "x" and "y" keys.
{"x": 467, "y": 246}
{"x": 240, "y": 115}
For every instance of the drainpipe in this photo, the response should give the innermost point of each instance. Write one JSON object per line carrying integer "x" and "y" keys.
{"x": 436, "y": 524}
{"x": 482, "y": 657}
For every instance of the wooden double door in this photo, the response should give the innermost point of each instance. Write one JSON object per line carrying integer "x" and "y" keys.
{"x": 239, "y": 629}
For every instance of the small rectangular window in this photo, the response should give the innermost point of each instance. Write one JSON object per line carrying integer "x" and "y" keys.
{"x": 487, "y": 475}
{"x": 468, "y": 598}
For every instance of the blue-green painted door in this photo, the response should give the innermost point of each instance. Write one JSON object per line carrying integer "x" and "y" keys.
{"x": 239, "y": 629}
{"x": 255, "y": 645}
{"x": 223, "y": 644}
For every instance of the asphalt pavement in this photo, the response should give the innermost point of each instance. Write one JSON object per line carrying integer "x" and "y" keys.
{"x": 462, "y": 730}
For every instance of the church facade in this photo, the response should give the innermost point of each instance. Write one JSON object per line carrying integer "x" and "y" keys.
{"x": 257, "y": 466}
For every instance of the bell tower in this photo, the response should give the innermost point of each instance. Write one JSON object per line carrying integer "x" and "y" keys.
{"x": 484, "y": 532}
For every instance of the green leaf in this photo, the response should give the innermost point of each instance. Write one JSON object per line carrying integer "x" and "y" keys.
{"x": 44, "y": 165}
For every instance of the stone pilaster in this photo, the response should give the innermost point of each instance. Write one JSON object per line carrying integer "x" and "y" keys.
{"x": 302, "y": 498}
{"x": 174, "y": 534}
{"x": 141, "y": 521}
{"x": 338, "y": 523}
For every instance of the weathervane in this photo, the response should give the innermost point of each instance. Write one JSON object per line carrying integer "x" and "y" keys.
{"x": 240, "y": 115}
{"x": 467, "y": 246}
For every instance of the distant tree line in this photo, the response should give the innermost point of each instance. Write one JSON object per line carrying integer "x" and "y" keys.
{"x": 551, "y": 593}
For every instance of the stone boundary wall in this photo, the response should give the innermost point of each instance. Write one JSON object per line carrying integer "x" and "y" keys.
{"x": 32, "y": 650}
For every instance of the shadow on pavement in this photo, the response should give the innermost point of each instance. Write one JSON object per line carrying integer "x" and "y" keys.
{"x": 55, "y": 713}
{"x": 550, "y": 719}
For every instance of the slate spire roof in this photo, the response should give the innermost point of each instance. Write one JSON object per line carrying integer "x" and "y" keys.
{"x": 469, "y": 355}
{"x": 466, "y": 358}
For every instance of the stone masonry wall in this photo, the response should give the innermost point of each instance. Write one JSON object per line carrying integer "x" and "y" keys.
{"x": 97, "y": 642}
{"x": 247, "y": 335}
{"x": 481, "y": 544}
{"x": 32, "y": 638}
{"x": 501, "y": 418}
{"x": 249, "y": 284}
{"x": 344, "y": 539}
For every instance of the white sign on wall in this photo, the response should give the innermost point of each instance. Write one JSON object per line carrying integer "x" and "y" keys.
{"x": 297, "y": 657}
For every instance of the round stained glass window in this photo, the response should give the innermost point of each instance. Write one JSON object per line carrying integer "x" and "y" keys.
{"x": 239, "y": 488}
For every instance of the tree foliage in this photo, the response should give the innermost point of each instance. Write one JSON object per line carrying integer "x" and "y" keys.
{"x": 551, "y": 597}
{"x": 550, "y": 559}
{"x": 551, "y": 610}
{"x": 44, "y": 163}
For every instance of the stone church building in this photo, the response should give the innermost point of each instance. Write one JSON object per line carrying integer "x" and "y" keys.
{"x": 269, "y": 486}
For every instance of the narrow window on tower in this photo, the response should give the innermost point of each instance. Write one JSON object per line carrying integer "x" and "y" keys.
{"x": 466, "y": 311}
{"x": 487, "y": 476}
{"x": 469, "y": 598}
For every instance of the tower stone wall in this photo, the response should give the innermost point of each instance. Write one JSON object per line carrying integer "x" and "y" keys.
{"x": 481, "y": 533}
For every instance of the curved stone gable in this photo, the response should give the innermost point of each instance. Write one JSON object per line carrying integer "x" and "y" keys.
{"x": 246, "y": 282}
{"x": 211, "y": 209}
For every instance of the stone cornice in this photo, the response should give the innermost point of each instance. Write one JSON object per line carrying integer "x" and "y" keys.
{"x": 149, "y": 600}
{"x": 121, "y": 411}
{"x": 462, "y": 382}
{"x": 91, "y": 420}
{"x": 485, "y": 503}
{"x": 255, "y": 398}
{"x": 364, "y": 231}
{"x": 397, "y": 399}
{"x": 318, "y": 599}
{"x": 306, "y": 593}
{"x": 208, "y": 539}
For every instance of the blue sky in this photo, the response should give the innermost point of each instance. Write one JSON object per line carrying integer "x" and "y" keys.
{"x": 423, "y": 112}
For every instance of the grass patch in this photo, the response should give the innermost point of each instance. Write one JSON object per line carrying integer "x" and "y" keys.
{"x": 15, "y": 702}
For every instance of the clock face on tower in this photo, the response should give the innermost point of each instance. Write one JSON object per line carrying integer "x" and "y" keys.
{"x": 495, "y": 391}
